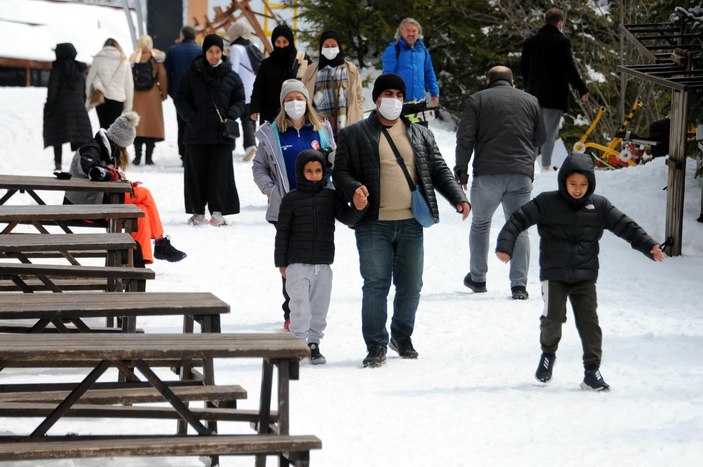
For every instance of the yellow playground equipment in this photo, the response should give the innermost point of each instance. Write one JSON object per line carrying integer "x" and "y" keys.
{"x": 618, "y": 153}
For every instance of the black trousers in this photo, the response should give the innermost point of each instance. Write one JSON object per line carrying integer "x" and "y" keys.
{"x": 209, "y": 179}
{"x": 181, "y": 132}
{"x": 108, "y": 112}
{"x": 248, "y": 128}
{"x": 584, "y": 302}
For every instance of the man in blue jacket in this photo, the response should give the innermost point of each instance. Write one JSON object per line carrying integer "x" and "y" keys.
{"x": 408, "y": 58}
{"x": 179, "y": 57}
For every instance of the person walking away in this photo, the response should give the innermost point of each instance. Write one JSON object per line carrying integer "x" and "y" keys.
{"x": 150, "y": 89}
{"x": 208, "y": 93}
{"x": 296, "y": 128}
{"x": 179, "y": 58}
{"x": 335, "y": 85}
{"x": 570, "y": 222}
{"x": 285, "y": 62}
{"x": 408, "y": 57}
{"x": 305, "y": 247}
{"x": 389, "y": 239}
{"x": 65, "y": 117}
{"x": 110, "y": 73}
{"x": 548, "y": 67}
{"x": 105, "y": 158}
{"x": 500, "y": 126}
{"x": 240, "y": 52}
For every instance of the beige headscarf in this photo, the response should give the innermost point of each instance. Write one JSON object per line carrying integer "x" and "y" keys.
{"x": 146, "y": 43}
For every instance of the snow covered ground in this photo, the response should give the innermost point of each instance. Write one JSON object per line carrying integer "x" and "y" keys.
{"x": 470, "y": 399}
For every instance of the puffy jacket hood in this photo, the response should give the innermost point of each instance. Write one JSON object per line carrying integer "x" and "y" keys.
{"x": 308, "y": 155}
{"x": 580, "y": 163}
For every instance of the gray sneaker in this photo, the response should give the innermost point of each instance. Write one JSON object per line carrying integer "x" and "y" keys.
{"x": 197, "y": 219}
{"x": 217, "y": 219}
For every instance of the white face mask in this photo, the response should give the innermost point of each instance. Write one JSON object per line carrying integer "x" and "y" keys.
{"x": 330, "y": 52}
{"x": 295, "y": 109}
{"x": 390, "y": 108}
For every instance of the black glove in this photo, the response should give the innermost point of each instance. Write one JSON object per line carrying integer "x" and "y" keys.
{"x": 100, "y": 173}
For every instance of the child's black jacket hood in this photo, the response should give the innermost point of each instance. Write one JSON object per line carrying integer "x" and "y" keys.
{"x": 583, "y": 164}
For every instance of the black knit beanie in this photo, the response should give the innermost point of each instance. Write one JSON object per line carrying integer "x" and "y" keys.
{"x": 212, "y": 39}
{"x": 387, "y": 81}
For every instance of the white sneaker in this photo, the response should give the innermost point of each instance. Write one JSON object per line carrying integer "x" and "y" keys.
{"x": 217, "y": 219}
{"x": 197, "y": 219}
{"x": 249, "y": 153}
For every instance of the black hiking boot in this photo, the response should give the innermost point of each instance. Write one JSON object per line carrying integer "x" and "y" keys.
{"x": 477, "y": 287}
{"x": 164, "y": 250}
{"x": 593, "y": 381}
{"x": 316, "y": 358}
{"x": 519, "y": 292}
{"x": 404, "y": 347}
{"x": 376, "y": 357}
{"x": 544, "y": 369}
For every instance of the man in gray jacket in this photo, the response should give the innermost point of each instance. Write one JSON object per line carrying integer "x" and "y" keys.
{"x": 502, "y": 126}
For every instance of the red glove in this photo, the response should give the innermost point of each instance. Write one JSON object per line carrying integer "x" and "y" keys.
{"x": 114, "y": 174}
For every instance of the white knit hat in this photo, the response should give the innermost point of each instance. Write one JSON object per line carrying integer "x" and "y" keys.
{"x": 123, "y": 131}
{"x": 293, "y": 85}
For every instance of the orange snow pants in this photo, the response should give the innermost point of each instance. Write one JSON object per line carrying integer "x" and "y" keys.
{"x": 149, "y": 226}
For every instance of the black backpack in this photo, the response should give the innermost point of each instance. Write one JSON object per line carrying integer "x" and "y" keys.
{"x": 143, "y": 75}
{"x": 255, "y": 57}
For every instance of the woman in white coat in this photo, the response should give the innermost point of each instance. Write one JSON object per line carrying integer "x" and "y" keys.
{"x": 111, "y": 74}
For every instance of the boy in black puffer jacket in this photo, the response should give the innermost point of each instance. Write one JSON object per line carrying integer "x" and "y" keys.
{"x": 570, "y": 223}
{"x": 305, "y": 247}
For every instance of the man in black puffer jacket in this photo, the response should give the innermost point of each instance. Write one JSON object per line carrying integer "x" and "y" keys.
{"x": 305, "y": 247}
{"x": 389, "y": 240}
{"x": 570, "y": 223}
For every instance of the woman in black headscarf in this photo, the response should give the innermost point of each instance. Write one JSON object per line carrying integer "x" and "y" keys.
{"x": 334, "y": 84}
{"x": 65, "y": 117}
{"x": 285, "y": 62}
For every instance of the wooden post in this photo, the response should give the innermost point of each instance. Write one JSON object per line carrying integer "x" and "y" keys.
{"x": 677, "y": 171}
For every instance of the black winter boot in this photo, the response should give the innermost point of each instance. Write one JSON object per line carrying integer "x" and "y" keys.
{"x": 164, "y": 250}
{"x": 137, "y": 154}
{"x": 149, "y": 152}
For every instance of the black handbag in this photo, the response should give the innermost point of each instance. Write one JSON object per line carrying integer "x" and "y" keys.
{"x": 229, "y": 129}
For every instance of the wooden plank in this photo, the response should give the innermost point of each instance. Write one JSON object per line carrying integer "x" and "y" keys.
{"x": 59, "y": 270}
{"x": 86, "y": 304}
{"x": 30, "y": 182}
{"x": 36, "y": 285}
{"x": 29, "y": 213}
{"x": 158, "y": 446}
{"x": 132, "y": 395}
{"x": 147, "y": 412}
{"x": 36, "y": 349}
{"x": 25, "y": 243}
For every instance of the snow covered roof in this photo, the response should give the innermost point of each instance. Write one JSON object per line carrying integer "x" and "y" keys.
{"x": 48, "y": 23}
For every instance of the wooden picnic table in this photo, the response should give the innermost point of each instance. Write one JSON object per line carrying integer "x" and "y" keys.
{"x": 121, "y": 217}
{"x": 144, "y": 352}
{"x": 45, "y": 309}
{"x": 31, "y": 184}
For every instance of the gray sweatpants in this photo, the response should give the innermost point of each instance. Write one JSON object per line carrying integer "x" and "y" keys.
{"x": 309, "y": 287}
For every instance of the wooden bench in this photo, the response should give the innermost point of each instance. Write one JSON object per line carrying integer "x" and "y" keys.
{"x": 43, "y": 309}
{"x": 144, "y": 353}
{"x": 117, "y": 248}
{"x": 31, "y": 184}
{"x": 295, "y": 449}
{"x": 120, "y": 217}
{"x": 123, "y": 278}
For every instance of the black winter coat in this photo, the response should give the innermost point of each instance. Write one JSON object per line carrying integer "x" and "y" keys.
{"x": 201, "y": 87}
{"x": 266, "y": 95}
{"x": 548, "y": 67}
{"x": 65, "y": 117}
{"x": 305, "y": 227}
{"x": 357, "y": 163}
{"x": 570, "y": 229}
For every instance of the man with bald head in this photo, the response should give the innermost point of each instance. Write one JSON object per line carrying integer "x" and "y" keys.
{"x": 501, "y": 127}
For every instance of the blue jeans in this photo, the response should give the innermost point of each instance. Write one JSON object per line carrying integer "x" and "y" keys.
{"x": 487, "y": 192}
{"x": 389, "y": 250}
{"x": 552, "y": 118}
